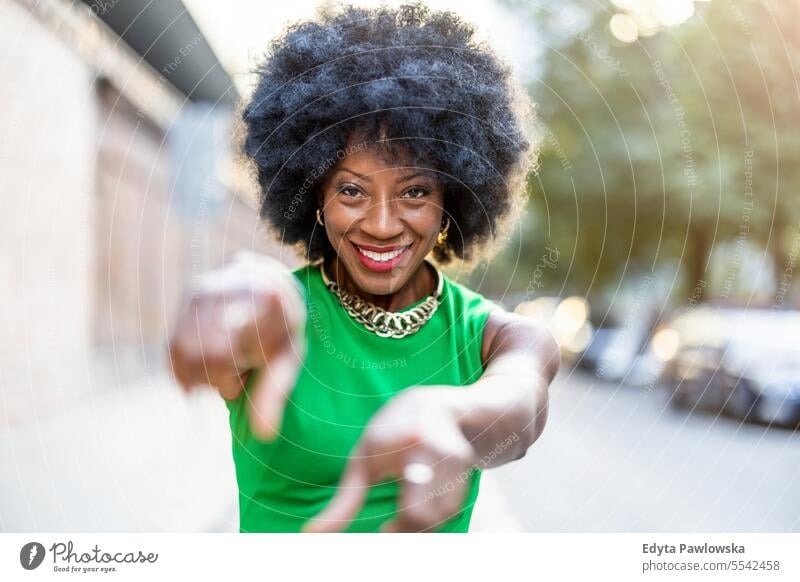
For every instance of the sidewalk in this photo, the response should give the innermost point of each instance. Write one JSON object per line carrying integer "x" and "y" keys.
{"x": 141, "y": 457}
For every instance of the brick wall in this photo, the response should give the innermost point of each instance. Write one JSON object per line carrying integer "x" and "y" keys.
{"x": 95, "y": 257}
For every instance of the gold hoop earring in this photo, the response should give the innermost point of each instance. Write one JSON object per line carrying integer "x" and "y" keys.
{"x": 319, "y": 218}
{"x": 442, "y": 237}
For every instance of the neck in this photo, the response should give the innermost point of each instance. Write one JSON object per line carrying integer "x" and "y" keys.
{"x": 420, "y": 284}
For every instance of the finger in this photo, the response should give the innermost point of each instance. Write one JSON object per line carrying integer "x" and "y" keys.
{"x": 220, "y": 372}
{"x": 415, "y": 510}
{"x": 199, "y": 353}
{"x": 426, "y": 506}
{"x": 346, "y": 503}
{"x": 183, "y": 349}
{"x": 273, "y": 385}
{"x": 231, "y": 386}
{"x": 177, "y": 365}
{"x": 243, "y": 380}
{"x": 265, "y": 332}
{"x": 214, "y": 363}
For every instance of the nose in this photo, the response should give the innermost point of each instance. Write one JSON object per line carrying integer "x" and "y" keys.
{"x": 382, "y": 221}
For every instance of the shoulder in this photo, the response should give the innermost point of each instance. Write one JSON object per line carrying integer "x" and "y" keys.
{"x": 308, "y": 278}
{"x": 472, "y": 302}
{"x": 499, "y": 329}
{"x": 471, "y": 309}
{"x": 303, "y": 273}
{"x": 506, "y": 331}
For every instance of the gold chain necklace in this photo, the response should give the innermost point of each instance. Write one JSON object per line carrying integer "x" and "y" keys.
{"x": 386, "y": 323}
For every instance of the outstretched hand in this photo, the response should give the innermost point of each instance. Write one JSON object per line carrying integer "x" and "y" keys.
{"x": 246, "y": 316}
{"x": 415, "y": 438}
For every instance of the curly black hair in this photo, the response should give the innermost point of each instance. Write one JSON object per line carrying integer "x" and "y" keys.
{"x": 409, "y": 76}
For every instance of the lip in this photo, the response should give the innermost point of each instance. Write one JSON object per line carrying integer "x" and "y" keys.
{"x": 381, "y": 266}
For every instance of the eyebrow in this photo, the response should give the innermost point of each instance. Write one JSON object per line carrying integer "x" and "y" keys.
{"x": 406, "y": 178}
{"x": 359, "y": 176}
{"x": 413, "y": 175}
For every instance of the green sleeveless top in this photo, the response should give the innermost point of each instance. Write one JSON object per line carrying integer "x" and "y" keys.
{"x": 347, "y": 375}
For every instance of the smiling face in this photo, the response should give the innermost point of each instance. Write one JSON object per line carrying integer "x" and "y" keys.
{"x": 382, "y": 219}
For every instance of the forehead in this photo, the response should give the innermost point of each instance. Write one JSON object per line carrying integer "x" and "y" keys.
{"x": 379, "y": 160}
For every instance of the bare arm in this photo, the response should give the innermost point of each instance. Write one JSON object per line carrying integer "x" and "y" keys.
{"x": 447, "y": 431}
{"x": 505, "y": 411}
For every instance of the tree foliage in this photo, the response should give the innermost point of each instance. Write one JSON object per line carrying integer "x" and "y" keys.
{"x": 657, "y": 151}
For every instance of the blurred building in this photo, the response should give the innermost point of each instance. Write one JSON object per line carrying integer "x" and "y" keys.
{"x": 119, "y": 187}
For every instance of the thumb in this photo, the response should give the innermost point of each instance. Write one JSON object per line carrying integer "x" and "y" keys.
{"x": 273, "y": 387}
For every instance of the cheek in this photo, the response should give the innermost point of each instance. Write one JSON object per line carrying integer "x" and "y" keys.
{"x": 338, "y": 216}
{"x": 341, "y": 218}
{"x": 428, "y": 221}
{"x": 430, "y": 225}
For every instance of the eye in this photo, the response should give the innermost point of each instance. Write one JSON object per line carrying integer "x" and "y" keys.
{"x": 415, "y": 192}
{"x": 350, "y": 191}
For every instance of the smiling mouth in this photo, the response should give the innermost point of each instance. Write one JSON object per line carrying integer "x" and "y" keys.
{"x": 383, "y": 256}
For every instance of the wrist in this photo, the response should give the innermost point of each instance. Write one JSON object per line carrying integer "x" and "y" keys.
{"x": 497, "y": 412}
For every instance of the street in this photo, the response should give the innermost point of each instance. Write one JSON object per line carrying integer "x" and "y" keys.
{"x": 619, "y": 459}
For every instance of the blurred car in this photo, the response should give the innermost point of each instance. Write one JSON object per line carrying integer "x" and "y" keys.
{"x": 744, "y": 363}
{"x": 759, "y": 372}
{"x": 621, "y": 354}
{"x": 769, "y": 398}
{"x": 592, "y": 357}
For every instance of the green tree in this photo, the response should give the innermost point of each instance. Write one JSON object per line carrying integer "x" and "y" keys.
{"x": 658, "y": 150}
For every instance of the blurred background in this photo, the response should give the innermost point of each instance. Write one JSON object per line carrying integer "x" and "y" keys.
{"x": 660, "y": 244}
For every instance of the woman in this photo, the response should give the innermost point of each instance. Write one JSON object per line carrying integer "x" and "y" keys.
{"x": 366, "y": 389}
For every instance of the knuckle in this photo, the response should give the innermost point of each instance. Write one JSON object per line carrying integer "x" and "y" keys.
{"x": 183, "y": 348}
{"x": 273, "y": 301}
{"x": 449, "y": 454}
{"x": 265, "y": 308}
{"x": 217, "y": 360}
{"x": 372, "y": 445}
{"x": 203, "y": 360}
{"x": 463, "y": 457}
{"x": 383, "y": 441}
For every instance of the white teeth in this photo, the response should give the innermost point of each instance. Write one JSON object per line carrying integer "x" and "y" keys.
{"x": 382, "y": 257}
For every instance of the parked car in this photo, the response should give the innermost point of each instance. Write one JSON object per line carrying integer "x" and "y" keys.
{"x": 618, "y": 354}
{"x": 759, "y": 374}
{"x": 740, "y": 362}
{"x": 592, "y": 357}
